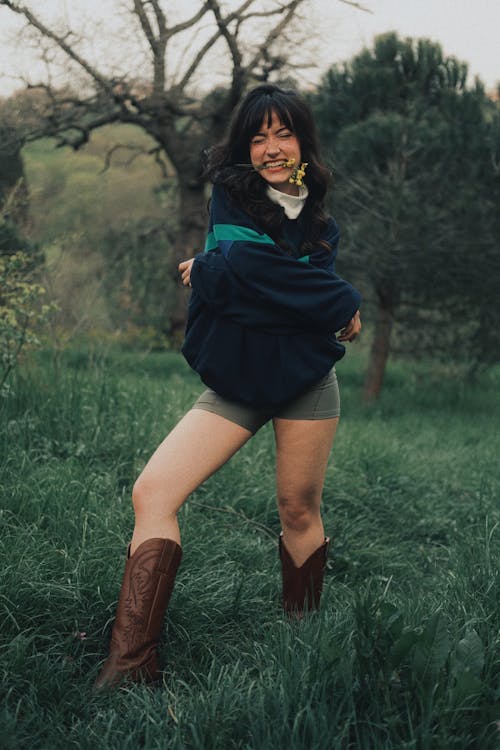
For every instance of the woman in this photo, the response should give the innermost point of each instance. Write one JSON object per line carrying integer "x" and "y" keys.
{"x": 263, "y": 313}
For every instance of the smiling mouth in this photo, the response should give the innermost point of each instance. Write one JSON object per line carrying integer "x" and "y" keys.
{"x": 276, "y": 164}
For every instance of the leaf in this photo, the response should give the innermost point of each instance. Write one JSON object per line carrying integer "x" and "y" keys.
{"x": 392, "y": 619}
{"x": 432, "y": 648}
{"x": 469, "y": 654}
{"x": 402, "y": 647}
{"x": 466, "y": 686}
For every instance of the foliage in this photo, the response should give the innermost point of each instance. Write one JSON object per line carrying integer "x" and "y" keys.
{"x": 137, "y": 278}
{"x": 102, "y": 236}
{"x": 22, "y": 308}
{"x": 416, "y": 158}
{"x": 11, "y": 241}
{"x": 404, "y": 653}
{"x": 22, "y": 311}
{"x": 13, "y": 187}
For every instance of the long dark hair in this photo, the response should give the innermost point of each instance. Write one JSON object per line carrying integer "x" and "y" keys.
{"x": 229, "y": 163}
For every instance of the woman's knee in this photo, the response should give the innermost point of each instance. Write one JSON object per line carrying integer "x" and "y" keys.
{"x": 141, "y": 494}
{"x": 299, "y": 511}
{"x": 149, "y": 496}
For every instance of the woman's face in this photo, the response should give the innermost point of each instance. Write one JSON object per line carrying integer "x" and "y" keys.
{"x": 270, "y": 147}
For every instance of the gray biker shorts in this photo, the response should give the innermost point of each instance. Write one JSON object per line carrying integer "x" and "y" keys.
{"x": 320, "y": 401}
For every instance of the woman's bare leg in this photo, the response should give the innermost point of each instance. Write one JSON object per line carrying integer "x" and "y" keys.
{"x": 302, "y": 451}
{"x": 197, "y": 446}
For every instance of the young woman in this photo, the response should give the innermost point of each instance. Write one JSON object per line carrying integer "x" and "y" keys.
{"x": 264, "y": 311}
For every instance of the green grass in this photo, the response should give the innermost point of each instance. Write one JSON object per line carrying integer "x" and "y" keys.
{"x": 405, "y": 652}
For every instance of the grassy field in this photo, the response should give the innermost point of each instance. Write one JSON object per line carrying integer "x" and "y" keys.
{"x": 73, "y": 194}
{"x": 405, "y": 652}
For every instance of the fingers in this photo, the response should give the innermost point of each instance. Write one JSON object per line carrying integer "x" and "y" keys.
{"x": 185, "y": 271}
{"x": 352, "y": 329}
{"x": 344, "y": 335}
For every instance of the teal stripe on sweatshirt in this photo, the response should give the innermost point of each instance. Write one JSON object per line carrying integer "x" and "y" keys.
{"x": 210, "y": 242}
{"x": 234, "y": 233}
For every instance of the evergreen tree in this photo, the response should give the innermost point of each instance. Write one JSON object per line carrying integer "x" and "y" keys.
{"x": 415, "y": 153}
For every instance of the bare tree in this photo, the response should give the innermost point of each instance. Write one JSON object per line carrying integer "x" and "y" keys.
{"x": 166, "y": 106}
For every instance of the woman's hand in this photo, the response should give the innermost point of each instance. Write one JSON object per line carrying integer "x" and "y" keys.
{"x": 185, "y": 271}
{"x": 352, "y": 329}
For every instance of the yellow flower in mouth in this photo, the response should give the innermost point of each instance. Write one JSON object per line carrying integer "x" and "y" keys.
{"x": 298, "y": 173}
{"x": 289, "y": 163}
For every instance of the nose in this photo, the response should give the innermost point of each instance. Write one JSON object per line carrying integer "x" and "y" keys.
{"x": 273, "y": 146}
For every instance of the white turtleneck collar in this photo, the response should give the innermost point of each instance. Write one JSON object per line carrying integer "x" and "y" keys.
{"x": 293, "y": 204}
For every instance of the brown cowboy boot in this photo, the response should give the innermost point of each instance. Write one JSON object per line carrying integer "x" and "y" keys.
{"x": 147, "y": 584}
{"x": 302, "y": 586}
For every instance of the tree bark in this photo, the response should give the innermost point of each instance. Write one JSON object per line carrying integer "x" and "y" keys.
{"x": 379, "y": 353}
{"x": 190, "y": 240}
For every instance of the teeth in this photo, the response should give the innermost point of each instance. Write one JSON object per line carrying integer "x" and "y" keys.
{"x": 272, "y": 164}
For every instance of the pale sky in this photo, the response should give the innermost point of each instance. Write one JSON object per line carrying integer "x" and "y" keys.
{"x": 467, "y": 29}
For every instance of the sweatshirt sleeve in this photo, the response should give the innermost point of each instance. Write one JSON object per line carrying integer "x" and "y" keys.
{"x": 310, "y": 297}
{"x": 210, "y": 278}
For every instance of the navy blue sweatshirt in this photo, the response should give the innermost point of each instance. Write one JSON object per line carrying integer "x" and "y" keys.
{"x": 262, "y": 321}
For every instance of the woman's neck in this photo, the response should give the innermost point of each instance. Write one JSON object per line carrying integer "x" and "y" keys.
{"x": 292, "y": 204}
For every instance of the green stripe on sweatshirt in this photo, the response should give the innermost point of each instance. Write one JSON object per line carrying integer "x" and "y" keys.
{"x": 228, "y": 232}
{"x": 210, "y": 242}
{"x": 234, "y": 233}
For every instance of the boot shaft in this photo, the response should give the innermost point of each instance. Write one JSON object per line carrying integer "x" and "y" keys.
{"x": 147, "y": 585}
{"x": 302, "y": 585}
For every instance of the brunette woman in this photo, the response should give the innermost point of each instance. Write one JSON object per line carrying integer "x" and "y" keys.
{"x": 267, "y": 319}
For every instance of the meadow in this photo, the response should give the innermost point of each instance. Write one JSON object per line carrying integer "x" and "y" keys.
{"x": 405, "y": 652}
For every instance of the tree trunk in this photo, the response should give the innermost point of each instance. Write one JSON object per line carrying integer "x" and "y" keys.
{"x": 14, "y": 196}
{"x": 189, "y": 241}
{"x": 379, "y": 353}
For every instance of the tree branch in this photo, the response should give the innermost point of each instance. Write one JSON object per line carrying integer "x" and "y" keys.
{"x": 210, "y": 43}
{"x": 61, "y": 42}
{"x": 357, "y": 5}
{"x": 140, "y": 12}
{"x": 187, "y": 24}
{"x": 238, "y": 514}
{"x": 157, "y": 43}
{"x": 275, "y": 32}
{"x": 222, "y": 25}
{"x": 155, "y": 151}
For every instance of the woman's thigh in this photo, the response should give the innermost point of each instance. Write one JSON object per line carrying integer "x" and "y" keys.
{"x": 197, "y": 446}
{"x": 302, "y": 450}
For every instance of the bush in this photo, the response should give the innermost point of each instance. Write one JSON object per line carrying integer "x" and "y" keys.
{"x": 22, "y": 310}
